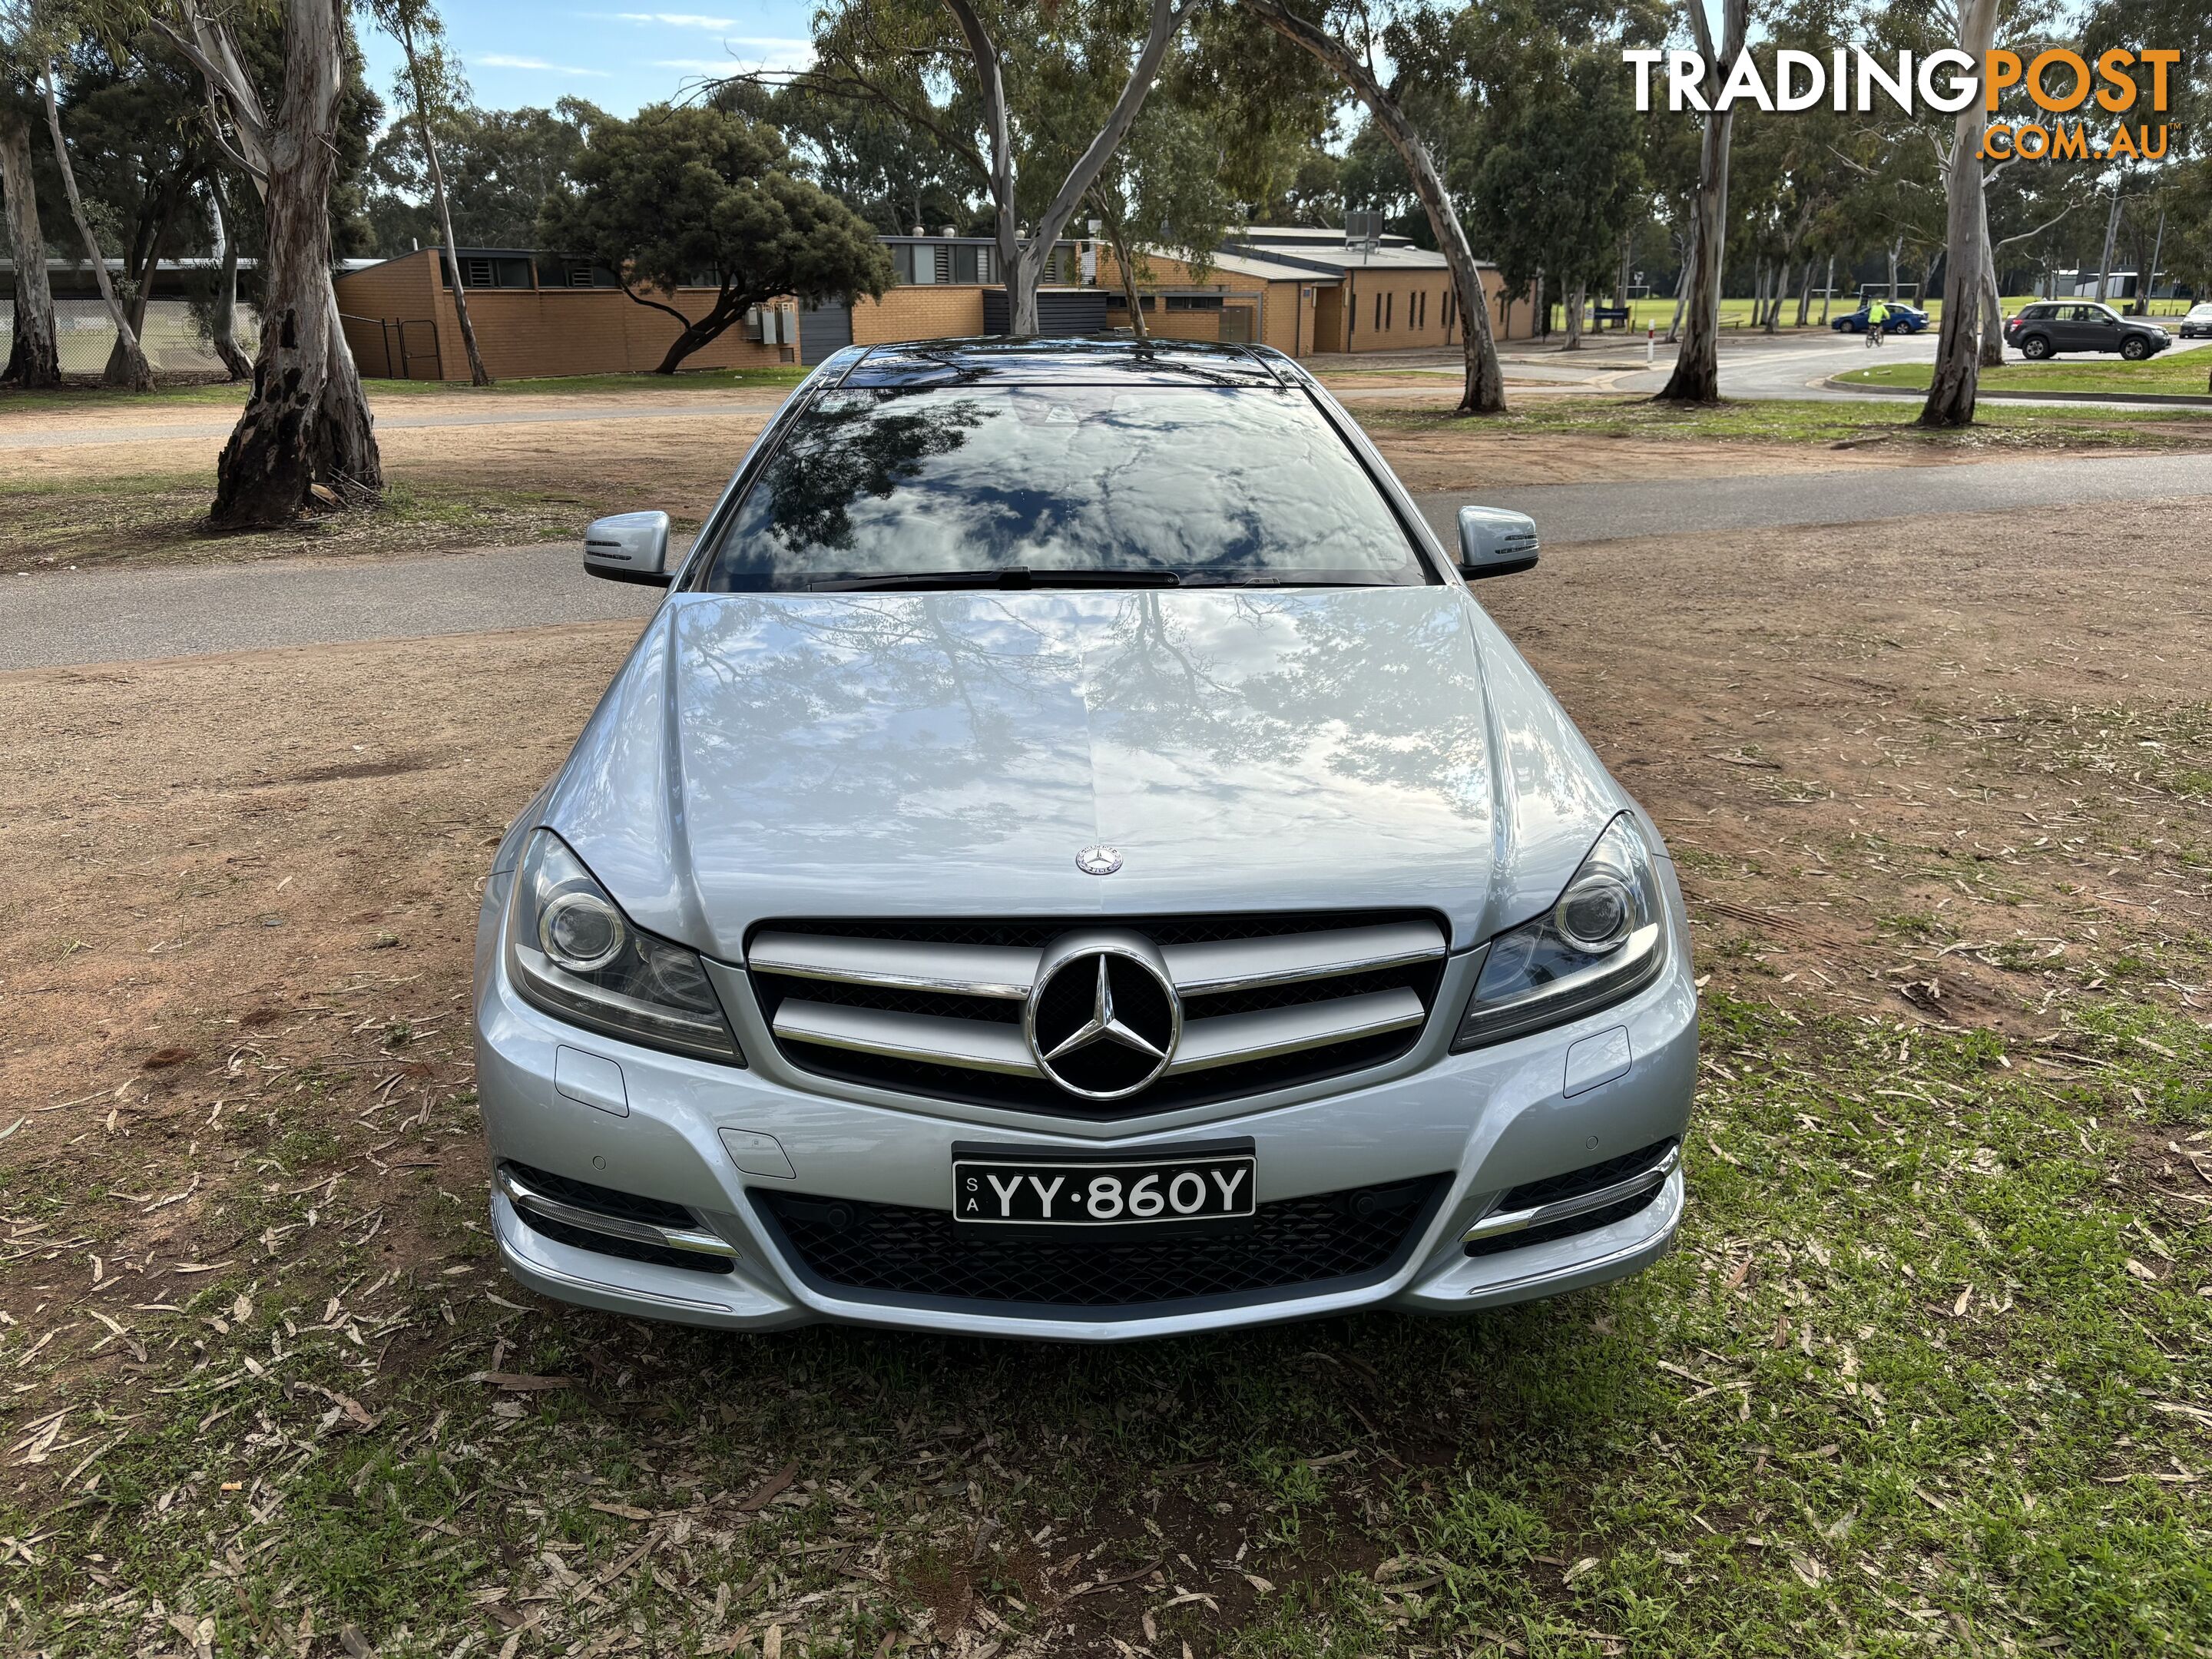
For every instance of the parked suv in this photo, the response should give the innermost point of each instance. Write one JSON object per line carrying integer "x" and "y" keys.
{"x": 2050, "y": 326}
{"x": 1071, "y": 858}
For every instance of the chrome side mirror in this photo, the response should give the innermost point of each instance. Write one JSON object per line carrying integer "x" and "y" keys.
{"x": 629, "y": 547}
{"x": 1495, "y": 543}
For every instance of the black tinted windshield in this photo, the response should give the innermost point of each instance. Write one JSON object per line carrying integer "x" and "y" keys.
{"x": 1013, "y": 484}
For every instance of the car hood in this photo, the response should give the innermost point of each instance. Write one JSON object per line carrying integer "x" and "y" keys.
{"x": 948, "y": 754}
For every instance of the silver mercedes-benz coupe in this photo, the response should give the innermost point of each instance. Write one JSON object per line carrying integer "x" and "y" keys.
{"x": 1071, "y": 858}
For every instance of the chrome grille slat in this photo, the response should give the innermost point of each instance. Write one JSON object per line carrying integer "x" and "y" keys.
{"x": 1244, "y": 965}
{"x": 1231, "y": 1039}
{"x": 1266, "y": 1003}
{"x": 1003, "y": 972}
{"x": 977, "y": 1045}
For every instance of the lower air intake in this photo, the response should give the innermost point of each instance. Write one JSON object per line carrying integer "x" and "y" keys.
{"x": 1304, "y": 1246}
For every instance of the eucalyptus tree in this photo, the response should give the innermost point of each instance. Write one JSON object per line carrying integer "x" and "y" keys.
{"x": 127, "y": 366}
{"x": 1347, "y": 37}
{"x": 305, "y": 437}
{"x": 431, "y": 80}
{"x": 951, "y": 69}
{"x": 33, "y": 350}
{"x": 1696, "y": 374}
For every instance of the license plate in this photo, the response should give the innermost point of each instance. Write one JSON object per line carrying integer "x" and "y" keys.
{"x": 1009, "y": 1186}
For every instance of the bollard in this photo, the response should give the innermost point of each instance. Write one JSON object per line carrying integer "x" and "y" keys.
{"x": 1649, "y": 335}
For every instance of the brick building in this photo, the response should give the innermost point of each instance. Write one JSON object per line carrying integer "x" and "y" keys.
{"x": 1298, "y": 289}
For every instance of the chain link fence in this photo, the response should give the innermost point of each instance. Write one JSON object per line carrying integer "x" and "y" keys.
{"x": 172, "y": 337}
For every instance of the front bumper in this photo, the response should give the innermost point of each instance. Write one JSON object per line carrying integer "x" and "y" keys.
{"x": 1486, "y": 1121}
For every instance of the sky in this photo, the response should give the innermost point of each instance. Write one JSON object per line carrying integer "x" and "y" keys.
{"x": 525, "y": 52}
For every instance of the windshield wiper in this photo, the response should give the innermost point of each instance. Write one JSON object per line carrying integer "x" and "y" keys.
{"x": 1256, "y": 579}
{"x": 1014, "y": 577}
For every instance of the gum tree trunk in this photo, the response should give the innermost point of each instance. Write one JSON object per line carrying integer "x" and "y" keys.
{"x": 1574, "y": 297}
{"x": 34, "y": 357}
{"x": 342, "y": 442}
{"x": 269, "y": 466}
{"x": 127, "y": 367}
{"x": 1022, "y": 264}
{"x": 222, "y": 333}
{"x": 1952, "y": 391}
{"x": 1484, "y": 389}
{"x": 1697, "y": 375}
{"x": 477, "y": 374}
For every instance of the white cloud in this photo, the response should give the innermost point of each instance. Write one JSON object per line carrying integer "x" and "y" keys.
{"x": 747, "y": 52}
{"x": 677, "y": 20}
{"x": 501, "y": 60}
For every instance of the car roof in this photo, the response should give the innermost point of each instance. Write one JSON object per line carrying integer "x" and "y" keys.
{"x": 1071, "y": 361}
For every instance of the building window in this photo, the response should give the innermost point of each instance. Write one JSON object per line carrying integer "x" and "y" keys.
{"x": 965, "y": 264}
{"x": 1390, "y": 311}
{"x": 1378, "y": 313}
{"x": 1193, "y": 302}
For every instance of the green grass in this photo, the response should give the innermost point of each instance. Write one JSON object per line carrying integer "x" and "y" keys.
{"x": 1808, "y": 422}
{"x": 1905, "y": 1383}
{"x": 156, "y": 517}
{"x": 90, "y": 399}
{"x": 2170, "y": 372}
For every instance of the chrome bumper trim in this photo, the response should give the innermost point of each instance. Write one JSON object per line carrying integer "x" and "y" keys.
{"x": 529, "y": 1202}
{"x": 1566, "y": 1209}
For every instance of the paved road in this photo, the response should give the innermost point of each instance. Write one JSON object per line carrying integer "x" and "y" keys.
{"x": 107, "y": 616}
{"x": 1599, "y": 512}
{"x": 116, "y": 616}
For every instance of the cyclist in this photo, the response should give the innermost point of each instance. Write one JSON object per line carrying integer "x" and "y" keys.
{"x": 1877, "y": 315}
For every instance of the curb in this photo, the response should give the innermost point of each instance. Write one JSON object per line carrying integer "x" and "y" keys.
{"x": 2169, "y": 399}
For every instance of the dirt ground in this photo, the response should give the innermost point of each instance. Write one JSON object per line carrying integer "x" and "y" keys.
{"x": 1953, "y": 773}
{"x": 73, "y": 503}
{"x": 193, "y": 839}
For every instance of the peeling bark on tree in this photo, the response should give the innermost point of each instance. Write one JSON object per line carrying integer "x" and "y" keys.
{"x": 270, "y": 463}
{"x": 343, "y": 443}
{"x": 1484, "y": 390}
{"x": 1697, "y": 375}
{"x": 1953, "y": 388}
{"x": 128, "y": 367}
{"x": 34, "y": 356}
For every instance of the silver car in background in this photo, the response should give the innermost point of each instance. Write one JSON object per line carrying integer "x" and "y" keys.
{"x": 1071, "y": 858}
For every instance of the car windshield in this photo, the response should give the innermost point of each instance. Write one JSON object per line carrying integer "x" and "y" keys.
{"x": 1060, "y": 486}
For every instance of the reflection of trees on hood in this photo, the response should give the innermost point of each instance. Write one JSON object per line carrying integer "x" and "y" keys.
{"x": 843, "y": 450}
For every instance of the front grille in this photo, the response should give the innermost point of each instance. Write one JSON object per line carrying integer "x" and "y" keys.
{"x": 936, "y": 1008}
{"x": 1303, "y": 1246}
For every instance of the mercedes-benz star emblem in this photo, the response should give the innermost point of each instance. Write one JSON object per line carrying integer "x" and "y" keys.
{"x": 1098, "y": 860}
{"x": 1103, "y": 1019}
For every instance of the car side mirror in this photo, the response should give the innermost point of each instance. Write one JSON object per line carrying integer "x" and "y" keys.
{"x": 1493, "y": 542}
{"x": 629, "y": 547}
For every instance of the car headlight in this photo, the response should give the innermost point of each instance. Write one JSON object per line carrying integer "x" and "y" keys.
{"x": 572, "y": 953}
{"x": 1604, "y": 939}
